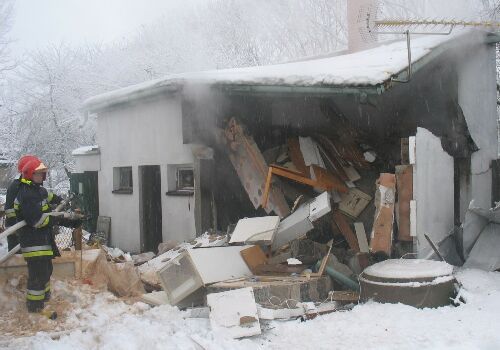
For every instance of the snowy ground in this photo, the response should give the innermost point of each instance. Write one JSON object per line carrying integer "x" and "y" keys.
{"x": 119, "y": 324}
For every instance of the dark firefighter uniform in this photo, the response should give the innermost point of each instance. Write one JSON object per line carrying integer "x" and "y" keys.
{"x": 10, "y": 214}
{"x": 36, "y": 239}
{"x": 31, "y": 205}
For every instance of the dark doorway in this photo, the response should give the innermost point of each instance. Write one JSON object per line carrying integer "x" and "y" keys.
{"x": 150, "y": 207}
{"x": 85, "y": 186}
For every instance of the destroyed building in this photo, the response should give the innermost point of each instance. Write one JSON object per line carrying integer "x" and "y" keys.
{"x": 192, "y": 152}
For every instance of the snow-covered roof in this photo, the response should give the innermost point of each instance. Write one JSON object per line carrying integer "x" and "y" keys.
{"x": 360, "y": 69}
{"x": 85, "y": 150}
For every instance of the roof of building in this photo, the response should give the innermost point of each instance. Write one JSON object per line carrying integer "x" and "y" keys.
{"x": 86, "y": 150}
{"x": 369, "y": 69}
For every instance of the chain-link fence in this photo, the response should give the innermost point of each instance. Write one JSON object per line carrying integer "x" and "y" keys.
{"x": 64, "y": 237}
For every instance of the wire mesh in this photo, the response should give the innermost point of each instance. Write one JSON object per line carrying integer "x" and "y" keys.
{"x": 64, "y": 237}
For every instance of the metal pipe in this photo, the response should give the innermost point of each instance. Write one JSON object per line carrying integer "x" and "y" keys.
{"x": 408, "y": 72}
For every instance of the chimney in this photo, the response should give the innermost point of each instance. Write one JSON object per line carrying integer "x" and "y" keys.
{"x": 359, "y": 13}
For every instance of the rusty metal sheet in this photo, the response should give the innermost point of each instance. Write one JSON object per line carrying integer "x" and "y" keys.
{"x": 252, "y": 169}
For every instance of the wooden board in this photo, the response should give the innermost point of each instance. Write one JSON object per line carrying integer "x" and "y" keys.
{"x": 359, "y": 227}
{"x": 343, "y": 225}
{"x": 296, "y": 156}
{"x": 327, "y": 179}
{"x": 254, "y": 257}
{"x": 404, "y": 182}
{"x": 354, "y": 202}
{"x": 381, "y": 237}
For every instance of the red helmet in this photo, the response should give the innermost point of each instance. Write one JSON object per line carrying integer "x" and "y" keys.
{"x": 23, "y": 160}
{"x": 32, "y": 166}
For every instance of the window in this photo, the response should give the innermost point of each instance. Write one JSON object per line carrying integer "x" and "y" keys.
{"x": 122, "y": 179}
{"x": 180, "y": 180}
{"x": 185, "y": 179}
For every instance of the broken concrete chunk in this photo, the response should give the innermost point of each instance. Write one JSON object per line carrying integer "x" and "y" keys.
{"x": 279, "y": 314}
{"x": 155, "y": 298}
{"x": 252, "y": 230}
{"x": 140, "y": 259}
{"x": 166, "y": 246}
{"x": 234, "y": 312}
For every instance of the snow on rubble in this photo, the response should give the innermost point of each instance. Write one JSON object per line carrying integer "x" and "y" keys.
{"x": 106, "y": 322}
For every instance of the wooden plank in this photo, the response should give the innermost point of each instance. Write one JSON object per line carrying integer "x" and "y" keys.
{"x": 381, "y": 237}
{"x": 359, "y": 227}
{"x": 405, "y": 151}
{"x": 328, "y": 180}
{"x": 292, "y": 175}
{"x": 343, "y": 225}
{"x": 254, "y": 257}
{"x": 296, "y": 156}
{"x": 252, "y": 169}
{"x": 404, "y": 183}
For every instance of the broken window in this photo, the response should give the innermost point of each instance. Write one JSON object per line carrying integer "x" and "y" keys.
{"x": 122, "y": 179}
{"x": 180, "y": 179}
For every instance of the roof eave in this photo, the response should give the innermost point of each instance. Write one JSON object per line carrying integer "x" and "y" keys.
{"x": 315, "y": 90}
{"x": 103, "y": 103}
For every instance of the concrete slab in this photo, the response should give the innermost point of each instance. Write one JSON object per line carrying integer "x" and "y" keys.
{"x": 235, "y": 312}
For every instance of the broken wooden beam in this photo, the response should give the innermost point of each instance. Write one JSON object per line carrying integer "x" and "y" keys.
{"x": 343, "y": 225}
{"x": 404, "y": 183}
{"x": 381, "y": 236}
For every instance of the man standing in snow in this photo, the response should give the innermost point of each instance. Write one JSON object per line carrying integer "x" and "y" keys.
{"x": 37, "y": 243}
{"x": 10, "y": 213}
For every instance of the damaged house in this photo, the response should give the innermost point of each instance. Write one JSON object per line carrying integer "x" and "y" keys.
{"x": 196, "y": 152}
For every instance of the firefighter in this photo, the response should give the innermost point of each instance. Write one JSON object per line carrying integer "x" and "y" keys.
{"x": 10, "y": 214}
{"x": 37, "y": 243}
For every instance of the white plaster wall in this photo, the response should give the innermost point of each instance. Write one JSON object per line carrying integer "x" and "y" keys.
{"x": 87, "y": 162}
{"x": 477, "y": 97}
{"x": 147, "y": 133}
{"x": 432, "y": 190}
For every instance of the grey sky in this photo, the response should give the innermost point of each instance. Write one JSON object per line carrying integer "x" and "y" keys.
{"x": 38, "y": 23}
